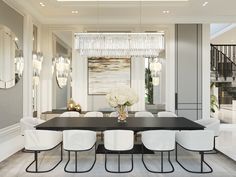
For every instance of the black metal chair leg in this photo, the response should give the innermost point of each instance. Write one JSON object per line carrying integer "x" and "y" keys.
{"x": 162, "y": 166}
{"x": 36, "y": 163}
{"x": 119, "y": 170}
{"x": 214, "y": 151}
{"x": 201, "y": 163}
{"x": 76, "y": 162}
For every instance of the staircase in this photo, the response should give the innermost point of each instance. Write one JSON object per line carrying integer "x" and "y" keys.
{"x": 223, "y": 71}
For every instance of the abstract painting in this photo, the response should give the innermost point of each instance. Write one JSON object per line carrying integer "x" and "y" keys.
{"x": 107, "y": 73}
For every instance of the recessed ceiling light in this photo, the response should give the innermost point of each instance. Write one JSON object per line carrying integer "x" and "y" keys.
{"x": 205, "y": 3}
{"x": 42, "y": 4}
{"x": 165, "y": 11}
{"x": 74, "y": 11}
{"x": 16, "y": 39}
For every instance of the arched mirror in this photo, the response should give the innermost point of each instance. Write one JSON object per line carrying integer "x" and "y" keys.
{"x": 11, "y": 58}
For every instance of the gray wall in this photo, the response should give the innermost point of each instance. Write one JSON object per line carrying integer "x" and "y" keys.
{"x": 188, "y": 70}
{"x": 11, "y": 100}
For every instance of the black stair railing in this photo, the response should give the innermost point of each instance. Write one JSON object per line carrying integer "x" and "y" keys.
{"x": 222, "y": 64}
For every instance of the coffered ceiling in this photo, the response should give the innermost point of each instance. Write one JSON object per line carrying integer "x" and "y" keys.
{"x": 129, "y": 12}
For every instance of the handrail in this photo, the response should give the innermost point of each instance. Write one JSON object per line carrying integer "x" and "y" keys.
{"x": 223, "y": 54}
{"x": 221, "y": 64}
{"x": 223, "y": 44}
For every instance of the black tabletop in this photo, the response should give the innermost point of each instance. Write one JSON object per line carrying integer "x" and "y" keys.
{"x": 111, "y": 123}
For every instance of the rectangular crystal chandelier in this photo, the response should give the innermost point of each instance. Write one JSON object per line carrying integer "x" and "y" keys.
{"x": 119, "y": 44}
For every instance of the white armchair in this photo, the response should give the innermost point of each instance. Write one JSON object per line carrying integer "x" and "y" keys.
{"x": 113, "y": 114}
{"x": 93, "y": 114}
{"x": 198, "y": 141}
{"x": 211, "y": 124}
{"x": 166, "y": 114}
{"x": 28, "y": 123}
{"x": 143, "y": 114}
{"x": 118, "y": 140}
{"x": 41, "y": 140}
{"x": 70, "y": 114}
{"x": 159, "y": 141}
{"x": 78, "y": 141}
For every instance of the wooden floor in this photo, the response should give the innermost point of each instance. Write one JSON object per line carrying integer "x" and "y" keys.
{"x": 16, "y": 164}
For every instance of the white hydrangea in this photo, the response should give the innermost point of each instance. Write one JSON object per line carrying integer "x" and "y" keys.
{"x": 122, "y": 96}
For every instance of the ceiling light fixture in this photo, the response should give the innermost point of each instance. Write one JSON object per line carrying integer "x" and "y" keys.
{"x": 204, "y": 4}
{"x": 123, "y": 0}
{"x": 42, "y": 4}
{"x": 74, "y": 11}
{"x": 165, "y": 11}
{"x": 119, "y": 44}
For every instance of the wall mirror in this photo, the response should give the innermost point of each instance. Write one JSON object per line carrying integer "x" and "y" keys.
{"x": 11, "y": 58}
{"x": 62, "y": 66}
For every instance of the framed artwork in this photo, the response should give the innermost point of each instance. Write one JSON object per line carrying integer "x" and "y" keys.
{"x": 107, "y": 73}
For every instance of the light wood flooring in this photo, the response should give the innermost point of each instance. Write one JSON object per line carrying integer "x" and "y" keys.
{"x": 16, "y": 164}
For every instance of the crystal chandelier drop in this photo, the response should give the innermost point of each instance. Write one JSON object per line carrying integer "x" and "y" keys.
{"x": 119, "y": 44}
{"x": 37, "y": 66}
{"x": 155, "y": 68}
{"x": 62, "y": 66}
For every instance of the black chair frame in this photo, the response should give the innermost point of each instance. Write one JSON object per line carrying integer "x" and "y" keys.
{"x": 76, "y": 160}
{"x": 119, "y": 170}
{"x": 202, "y": 161}
{"x": 36, "y": 161}
{"x": 162, "y": 169}
{"x": 214, "y": 151}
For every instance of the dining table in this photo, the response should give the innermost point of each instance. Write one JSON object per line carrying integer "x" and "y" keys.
{"x": 136, "y": 124}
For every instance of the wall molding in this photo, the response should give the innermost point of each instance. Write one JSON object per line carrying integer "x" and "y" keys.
{"x": 10, "y": 141}
{"x": 9, "y": 132}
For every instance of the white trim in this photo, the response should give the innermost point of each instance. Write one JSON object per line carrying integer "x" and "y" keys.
{"x": 206, "y": 71}
{"x": 170, "y": 69}
{"x": 28, "y": 72}
{"x": 10, "y": 141}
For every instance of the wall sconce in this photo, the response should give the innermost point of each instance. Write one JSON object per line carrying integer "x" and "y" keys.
{"x": 62, "y": 66}
{"x": 37, "y": 66}
{"x": 19, "y": 62}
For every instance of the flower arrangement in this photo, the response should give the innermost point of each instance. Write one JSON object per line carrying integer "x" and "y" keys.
{"x": 120, "y": 98}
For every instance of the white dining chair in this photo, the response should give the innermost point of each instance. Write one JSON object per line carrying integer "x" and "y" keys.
{"x": 118, "y": 140}
{"x": 159, "y": 141}
{"x": 93, "y": 114}
{"x": 143, "y": 114}
{"x": 42, "y": 140}
{"x": 29, "y": 123}
{"x": 70, "y": 114}
{"x": 214, "y": 125}
{"x": 166, "y": 114}
{"x": 113, "y": 114}
{"x": 79, "y": 141}
{"x": 197, "y": 141}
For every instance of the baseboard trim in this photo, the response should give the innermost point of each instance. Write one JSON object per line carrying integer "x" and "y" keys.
{"x": 10, "y": 141}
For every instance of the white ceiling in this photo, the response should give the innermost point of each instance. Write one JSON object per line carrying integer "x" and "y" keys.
{"x": 65, "y": 36}
{"x": 144, "y": 12}
{"x": 228, "y": 37}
